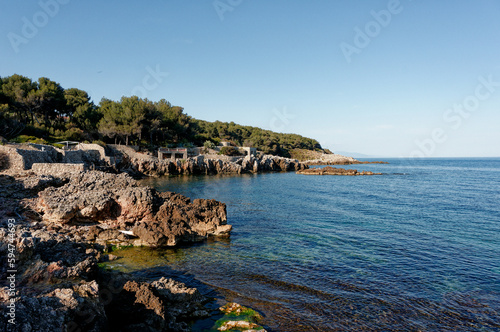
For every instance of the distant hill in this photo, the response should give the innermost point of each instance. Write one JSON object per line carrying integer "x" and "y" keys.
{"x": 266, "y": 141}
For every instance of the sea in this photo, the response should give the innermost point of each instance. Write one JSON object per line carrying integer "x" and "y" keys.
{"x": 414, "y": 249}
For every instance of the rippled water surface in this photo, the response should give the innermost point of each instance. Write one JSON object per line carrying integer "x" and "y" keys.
{"x": 417, "y": 248}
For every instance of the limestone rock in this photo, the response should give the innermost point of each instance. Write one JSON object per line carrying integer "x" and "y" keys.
{"x": 117, "y": 202}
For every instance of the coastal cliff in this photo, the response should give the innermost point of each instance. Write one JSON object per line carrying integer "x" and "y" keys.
{"x": 45, "y": 159}
{"x": 133, "y": 162}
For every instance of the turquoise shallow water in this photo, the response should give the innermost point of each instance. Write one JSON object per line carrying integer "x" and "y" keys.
{"x": 415, "y": 249}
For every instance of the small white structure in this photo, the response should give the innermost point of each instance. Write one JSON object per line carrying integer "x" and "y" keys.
{"x": 248, "y": 151}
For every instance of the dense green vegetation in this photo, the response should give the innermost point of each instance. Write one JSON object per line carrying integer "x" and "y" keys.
{"x": 230, "y": 151}
{"x": 43, "y": 111}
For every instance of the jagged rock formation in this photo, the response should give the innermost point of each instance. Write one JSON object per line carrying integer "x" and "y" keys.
{"x": 334, "y": 171}
{"x": 114, "y": 203}
{"x": 207, "y": 165}
{"x": 125, "y": 159}
{"x": 59, "y": 287}
{"x": 161, "y": 305}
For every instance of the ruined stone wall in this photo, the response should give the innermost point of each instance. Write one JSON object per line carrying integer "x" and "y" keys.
{"x": 13, "y": 159}
{"x": 21, "y": 157}
{"x": 223, "y": 157}
{"x": 57, "y": 168}
{"x": 131, "y": 153}
{"x": 88, "y": 157}
{"x": 93, "y": 147}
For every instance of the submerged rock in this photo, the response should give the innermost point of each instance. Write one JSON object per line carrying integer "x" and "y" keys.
{"x": 239, "y": 318}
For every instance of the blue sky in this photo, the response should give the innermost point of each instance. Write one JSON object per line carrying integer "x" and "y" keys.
{"x": 384, "y": 78}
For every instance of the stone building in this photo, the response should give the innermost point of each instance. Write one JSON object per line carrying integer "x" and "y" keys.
{"x": 172, "y": 153}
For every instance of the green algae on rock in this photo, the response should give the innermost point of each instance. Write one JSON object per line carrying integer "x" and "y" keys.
{"x": 239, "y": 318}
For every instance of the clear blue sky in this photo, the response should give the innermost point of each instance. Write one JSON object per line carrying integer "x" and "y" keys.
{"x": 282, "y": 65}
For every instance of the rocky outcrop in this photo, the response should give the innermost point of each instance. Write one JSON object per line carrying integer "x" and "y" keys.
{"x": 126, "y": 213}
{"x": 58, "y": 284}
{"x": 335, "y": 171}
{"x": 161, "y": 305}
{"x": 59, "y": 287}
{"x": 337, "y": 159}
{"x": 55, "y": 280}
{"x": 136, "y": 163}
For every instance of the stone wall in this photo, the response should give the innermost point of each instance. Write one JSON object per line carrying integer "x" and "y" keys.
{"x": 13, "y": 159}
{"x": 131, "y": 153}
{"x": 57, "y": 168}
{"x": 231, "y": 159}
{"x": 23, "y": 156}
{"x": 93, "y": 147}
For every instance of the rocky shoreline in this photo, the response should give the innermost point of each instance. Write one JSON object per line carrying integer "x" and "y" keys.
{"x": 337, "y": 159}
{"x": 141, "y": 164}
{"x": 61, "y": 219}
{"x": 60, "y": 228}
{"x": 341, "y": 161}
{"x": 335, "y": 171}
{"x": 46, "y": 159}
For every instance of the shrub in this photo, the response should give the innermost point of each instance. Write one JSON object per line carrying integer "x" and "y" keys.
{"x": 73, "y": 134}
{"x": 229, "y": 151}
{"x": 209, "y": 145}
{"x": 98, "y": 142}
{"x": 29, "y": 139}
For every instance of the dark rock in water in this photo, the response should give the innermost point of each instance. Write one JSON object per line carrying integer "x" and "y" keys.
{"x": 334, "y": 171}
{"x": 161, "y": 305}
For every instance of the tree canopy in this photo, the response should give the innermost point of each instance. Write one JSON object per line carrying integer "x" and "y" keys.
{"x": 44, "y": 109}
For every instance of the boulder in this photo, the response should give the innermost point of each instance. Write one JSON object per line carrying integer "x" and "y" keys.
{"x": 161, "y": 305}
{"x": 118, "y": 203}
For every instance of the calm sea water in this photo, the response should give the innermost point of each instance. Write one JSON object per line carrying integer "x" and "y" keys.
{"x": 416, "y": 249}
